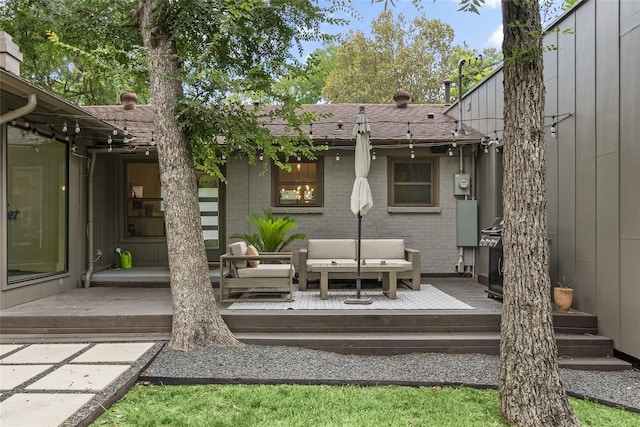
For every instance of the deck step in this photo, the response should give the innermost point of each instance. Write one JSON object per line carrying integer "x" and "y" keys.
{"x": 594, "y": 363}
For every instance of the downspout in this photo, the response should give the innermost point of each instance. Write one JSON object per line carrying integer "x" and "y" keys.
{"x": 460, "y": 265}
{"x": 22, "y": 111}
{"x": 90, "y": 261}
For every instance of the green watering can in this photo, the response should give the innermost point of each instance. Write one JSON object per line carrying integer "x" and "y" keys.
{"x": 125, "y": 259}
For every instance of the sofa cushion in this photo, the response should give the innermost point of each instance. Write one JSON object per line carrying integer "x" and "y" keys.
{"x": 319, "y": 261}
{"x": 382, "y": 249}
{"x": 267, "y": 270}
{"x": 251, "y": 250}
{"x": 239, "y": 248}
{"x": 331, "y": 248}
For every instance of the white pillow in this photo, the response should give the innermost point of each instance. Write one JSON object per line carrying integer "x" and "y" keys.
{"x": 239, "y": 248}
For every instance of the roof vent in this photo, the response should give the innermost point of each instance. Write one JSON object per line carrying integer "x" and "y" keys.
{"x": 129, "y": 100}
{"x": 430, "y": 116}
{"x": 401, "y": 98}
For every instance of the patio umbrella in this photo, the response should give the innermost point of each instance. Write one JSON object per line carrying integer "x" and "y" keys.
{"x": 361, "y": 200}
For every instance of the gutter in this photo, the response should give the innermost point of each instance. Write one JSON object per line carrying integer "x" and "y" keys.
{"x": 22, "y": 111}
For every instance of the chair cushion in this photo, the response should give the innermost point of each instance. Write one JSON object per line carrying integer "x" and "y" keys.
{"x": 239, "y": 248}
{"x": 382, "y": 249}
{"x": 267, "y": 270}
{"x": 251, "y": 250}
{"x": 311, "y": 263}
{"x": 331, "y": 248}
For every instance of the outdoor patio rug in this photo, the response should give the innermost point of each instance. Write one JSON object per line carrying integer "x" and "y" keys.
{"x": 427, "y": 298}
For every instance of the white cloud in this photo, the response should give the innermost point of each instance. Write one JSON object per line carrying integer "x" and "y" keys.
{"x": 493, "y": 4}
{"x": 495, "y": 39}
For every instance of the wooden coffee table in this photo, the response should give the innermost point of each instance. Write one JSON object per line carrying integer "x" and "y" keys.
{"x": 389, "y": 275}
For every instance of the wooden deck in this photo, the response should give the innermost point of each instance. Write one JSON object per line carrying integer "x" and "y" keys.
{"x": 117, "y": 313}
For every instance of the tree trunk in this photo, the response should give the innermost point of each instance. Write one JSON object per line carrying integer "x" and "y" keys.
{"x": 531, "y": 391}
{"x": 197, "y": 322}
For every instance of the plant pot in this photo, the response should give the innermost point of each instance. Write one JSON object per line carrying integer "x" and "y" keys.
{"x": 563, "y": 298}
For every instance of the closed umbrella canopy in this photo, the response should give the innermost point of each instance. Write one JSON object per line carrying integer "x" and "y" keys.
{"x": 361, "y": 200}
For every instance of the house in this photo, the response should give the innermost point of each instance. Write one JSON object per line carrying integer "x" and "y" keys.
{"x": 592, "y": 110}
{"x": 42, "y": 185}
{"x": 432, "y": 184}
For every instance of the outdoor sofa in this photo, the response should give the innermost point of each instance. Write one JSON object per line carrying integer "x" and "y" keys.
{"x": 320, "y": 253}
{"x": 254, "y": 275}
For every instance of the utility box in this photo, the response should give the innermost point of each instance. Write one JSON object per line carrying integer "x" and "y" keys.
{"x": 467, "y": 222}
{"x": 462, "y": 184}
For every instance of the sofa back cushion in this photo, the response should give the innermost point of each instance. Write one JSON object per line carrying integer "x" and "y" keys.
{"x": 382, "y": 249}
{"x": 331, "y": 248}
{"x": 239, "y": 248}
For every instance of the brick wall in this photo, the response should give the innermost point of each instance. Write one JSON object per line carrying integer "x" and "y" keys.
{"x": 433, "y": 233}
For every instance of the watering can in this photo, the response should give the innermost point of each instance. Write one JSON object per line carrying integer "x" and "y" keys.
{"x": 125, "y": 259}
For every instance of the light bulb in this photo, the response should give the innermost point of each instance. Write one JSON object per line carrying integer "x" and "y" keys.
{"x": 486, "y": 150}
{"x": 109, "y": 140}
{"x": 411, "y": 145}
{"x": 64, "y": 126}
{"x": 110, "y": 149}
{"x": 413, "y": 155}
{"x": 299, "y": 157}
{"x": 450, "y": 152}
{"x": 77, "y": 129}
{"x": 373, "y": 155}
{"x": 553, "y": 130}
{"x": 224, "y": 157}
{"x": 337, "y": 157}
{"x": 261, "y": 157}
{"x": 146, "y": 153}
{"x": 115, "y": 132}
{"x": 454, "y": 144}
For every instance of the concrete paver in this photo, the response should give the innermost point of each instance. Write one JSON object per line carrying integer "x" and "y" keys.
{"x": 79, "y": 377}
{"x": 40, "y": 409}
{"x": 44, "y": 353}
{"x": 7, "y": 348}
{"x": 46, "y": 384}
{"x": 11, "y": 376}
{"x": 114, "y": 353}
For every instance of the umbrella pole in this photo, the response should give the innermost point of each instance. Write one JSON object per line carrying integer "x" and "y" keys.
{"x": 358, "y": 300}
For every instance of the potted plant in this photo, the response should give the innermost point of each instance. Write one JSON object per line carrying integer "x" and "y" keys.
{"x": 563, "y": 294}
{"x": 271, "y": 232}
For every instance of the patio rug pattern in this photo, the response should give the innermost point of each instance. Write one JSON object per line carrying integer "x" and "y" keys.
{"x": 427, "y": 298}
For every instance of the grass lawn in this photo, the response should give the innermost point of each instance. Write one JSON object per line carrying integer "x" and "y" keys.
{"x": 242, "y": 405}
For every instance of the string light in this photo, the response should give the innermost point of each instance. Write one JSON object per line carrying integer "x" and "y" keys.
{"x": 310, "y": 128}
{"x": 450, "y": 152}
{"x": 373, "y": 155}
{"x": 413, "y": 155}
{"x": 110, "y": 149}
{"x": 411, "y": 145}
{"x": 299, "y": 157}
{"x": 408, "y": 131}
{"x": 77, "y": 128}
{"x": 153, "y": 140}
{"x": 261, "y": 156}
{"x": 337, "y": 157}
{"x": 146, "y": 153}
{"x": 64, "y": 127}
{"x": 553, "y": 127}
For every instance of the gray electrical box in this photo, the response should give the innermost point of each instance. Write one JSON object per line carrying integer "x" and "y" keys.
{"x": 467, "y": 222}
{"x": 462, "y": 184}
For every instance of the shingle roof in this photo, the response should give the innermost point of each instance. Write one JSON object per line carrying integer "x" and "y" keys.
{"x": 427, "y": 123}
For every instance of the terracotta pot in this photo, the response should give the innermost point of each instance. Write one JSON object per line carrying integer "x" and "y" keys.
{"x": 563, "y": 298}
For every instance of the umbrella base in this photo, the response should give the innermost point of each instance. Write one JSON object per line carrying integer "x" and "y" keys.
{"x": 362, "y": 301}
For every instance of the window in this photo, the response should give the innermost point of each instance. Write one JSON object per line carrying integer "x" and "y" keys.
{"x": 412, "y": 182}
{"x": 144, "y": 209}
{"x": 37, "y": 236}
{"x": 301, "y": 187}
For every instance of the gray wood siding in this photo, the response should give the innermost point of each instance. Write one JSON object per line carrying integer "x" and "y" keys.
{"x": 594, "y": 200}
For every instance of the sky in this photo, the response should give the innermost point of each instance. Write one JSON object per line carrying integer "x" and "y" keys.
{"x": 478, "y": 31}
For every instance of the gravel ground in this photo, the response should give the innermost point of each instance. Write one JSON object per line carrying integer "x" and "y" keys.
{"x": 293, "y": 365}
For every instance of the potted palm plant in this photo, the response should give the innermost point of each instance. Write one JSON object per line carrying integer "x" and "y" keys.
{"x": 270, "y": 235}
{"x": 563, "y": 294}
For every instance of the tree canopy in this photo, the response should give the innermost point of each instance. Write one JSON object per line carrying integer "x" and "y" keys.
{"x": 414, "y": 57}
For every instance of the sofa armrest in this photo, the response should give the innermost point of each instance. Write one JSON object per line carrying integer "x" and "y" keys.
{"x": 303, "y": 255}
{"x": 413, "y": 255}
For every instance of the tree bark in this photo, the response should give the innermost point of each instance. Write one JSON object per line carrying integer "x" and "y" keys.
{"x": 197, "y": 322}
{"x": 531, "y": 391}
